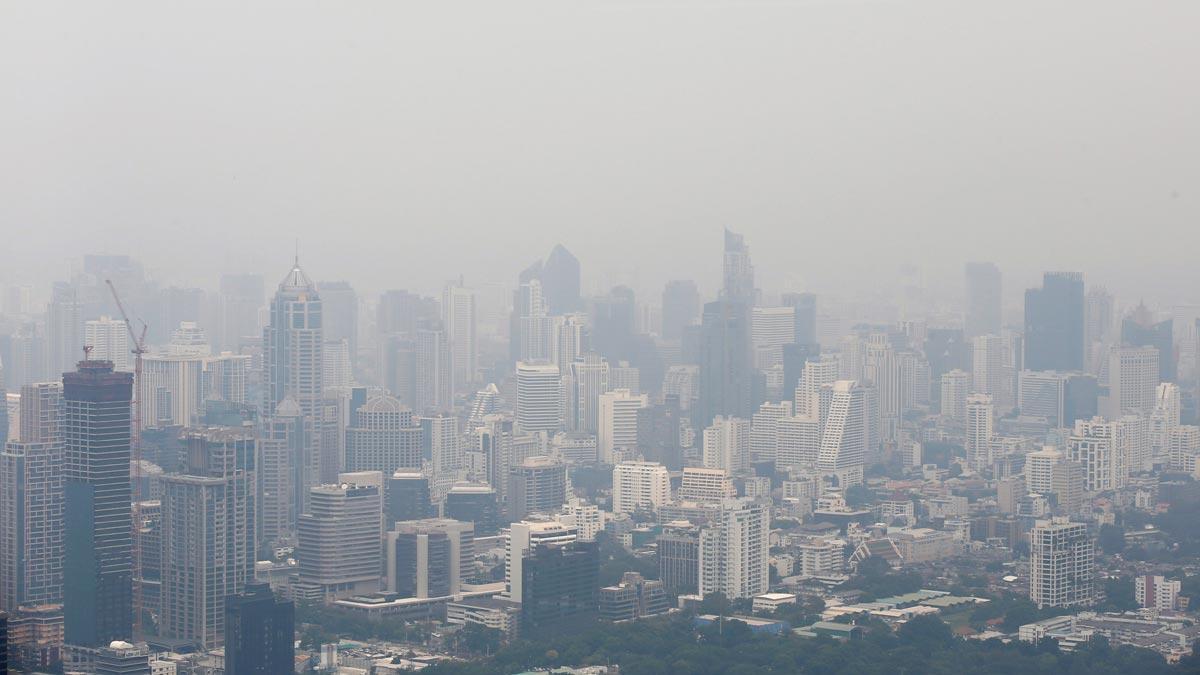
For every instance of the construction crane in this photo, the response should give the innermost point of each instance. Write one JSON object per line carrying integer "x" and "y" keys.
{"x": 135, "y": 450}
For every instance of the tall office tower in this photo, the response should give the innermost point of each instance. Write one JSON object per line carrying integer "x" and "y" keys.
{"x": 532, "y": 326}
{"x": 282, "y": 439}
{"x": 1166, "y": 415}
{"x": 956, "y": 386}
{"x": 845, "y": 433}
{"x": 560, "y": 589}
{"x": 97, "y": 561}
{"x": 678, "y": 552}
{"x": 680, "y": 308}
{"x": 795, "y": 359}
{"x": 614, "y": 324}
{"x": 401, "y": 312}
{"x": 981, "y": 414}
{"x": 1098, "y": 316}
{"x": 804, "y": 306}
{"x": 570, "y": 340}
{"x": 726, "y": 371}
{"x": 618, "y": 424}
{"x": 209, "y": 515}
{"x": 1134, "y": 444}
{"x": 32, "y": 502}
{"x": 433, "y": 371}
{"x": 336, "y": 369}
{"x": 109, "y": 339}
{"x": 474, "y": 503}
{"x": 798, "y": 441}
{"x": 1054, "y": 323}
{"x": 1066, "y": 484}
{"x": 560, "y": 280}
{"x": 764, "y": 430}
{"x": 817, "y": 373}
{"x": 1094, "y": 445}
{"x": 624, "y": 376}
{"x": 522, "y": 538}
{"x": 227, "y": 376}
{"x": 738, "y": 272}
{"x": 1132, "y": 379}
{"x": 293, "y": 344}
{"x": 458, "y": 316}
{"x": 537, "y": 406}
{"x": 883, "y": 373}
{"x": 727, "y": 444}
{"x": 122, "y": 658}
{"x": 406, "y": 496}
{"x": 339, "y": 542}
{"x": 538, "y": 485}
{"x": 1139, "y": 329}
{"x": 589, "y": 377}
{"x": 445, "y": 447}
{"x": 735, "y": 550}
{"x": 429, "y": 558}
{"x": 640, "y": 485}
{"x": 1062, "y": 564}
{"x": 238, "y": 301}
{"x": 64, "y": 330}
{"x": 339, "y": 303}
{"x": 383, "y": 436}
{"x": 486, "y": 402}
{"x": 988, "y": 368}
{"x": 1043, "y": 394}
{"x": 983, "y": 299}
{"x": 770, "y": 329}
{"x": 171, "y": 392}
{"x": 259, "y": 632}
{"x": 495, "y": 437}
{"x": 24, "y": 357}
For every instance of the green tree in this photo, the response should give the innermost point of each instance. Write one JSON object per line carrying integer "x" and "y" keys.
{"x": 1112, "y": 539}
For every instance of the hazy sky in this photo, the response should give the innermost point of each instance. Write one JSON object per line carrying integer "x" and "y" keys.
{"x": 406, "y": 142}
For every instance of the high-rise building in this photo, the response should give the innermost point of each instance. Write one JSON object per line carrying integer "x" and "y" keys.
{"x": 458, "y": 316}
{"x": 239, "y": 299}
{"x": 537, "y": 485}
{"x": 1054, "y": 323}
{"x": 445, "y": 449}
{"x": 474, "y": 503}
{"x": 293, "y": 344}
{"x": 32, "y": 502}
{"x": 560, "y": 280}
{"x": 678, "y": 551}
{"x": 537, "y": 406}
{"x": 984, "y": 297}
{"x": 770, "y": 329}
{"x": 798, "y": 441}
{"x": 433, "y": 386}
{"x": 618, "y": 423}
{"x": 845, "y": 433}
{"x": 588, "y": 380}
{"x": 956, "y": 387}
{"x": 727, "y": 444}
{"x": 804, "y": 306}
{"x": 1098, "y": 317}
{"x": 383, "y": 436}
{"x": 98, "y": 532}
{"x": 109, "y": 339}
{"x": 680, "y": 308}
{"x": 1039, "y": 468}
{"x": 339, "y": 542}
{"x": 339, "y": 303}
{"x": 429, "y": 558}
{"x": 1094, "y": 444}
{"x": 560, "y": 589}
{"x": 1062, "y": 564}
{"x": 259, "y": 632}
{"x": 981, "y": 414}
{"x": 988, "y": 372}
{"x": 520, "y": 538}
{"x": 406, "y": 497}
{"x": 64, "y": 331}
{"x": 282, "y": 440}
{"x": 764, "y": 430}
{"x": 725, "y": 361}
{"x": 639, "y": 485}
{"x": 1139, "y": 329}
{"x": 735, "y": 550}
{"x": 1132, "y": 379}
{"x": 209, "y": 514}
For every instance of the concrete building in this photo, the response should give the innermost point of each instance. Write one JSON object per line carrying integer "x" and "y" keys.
{"x": 735, "y": 550}
{"x": 383, "y": 436}
{"x": 1132, "y": 380}
{"x": 956, "y": 386}
{"x": 537, "y": 406}
{"x": 339, "y": 542}
{"x": 764, "y": 430}
{"x": 846, "y": 434}
{"x": 639, "y": 485}
{"x": 727, "y": 444}
{"x": 259, "y": 632}
{"x": 1062, "y": 564}
{"x": 429, "y": 558}
{"x": 1094, "y": 445}
{"x": 1156, "y": 592}
{"x": 538, "y": 485}
{"x": 981, "y": 414}
{"x": 618, "y": 424}
{"x": 632, "y": 598}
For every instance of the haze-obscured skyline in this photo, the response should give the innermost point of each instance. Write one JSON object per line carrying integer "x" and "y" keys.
{"x": 404, "y": 144}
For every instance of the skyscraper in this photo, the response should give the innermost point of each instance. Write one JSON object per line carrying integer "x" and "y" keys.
{"x": 537, "y": 485}
{"x": 680, "y": 308}
{"x": 735, "y": 550}
{"x": 983, "y": 300}
{"x": 64, "y": 330}
{"x": 429, "y": 558}
{"x": 1133, "y": 374}
{"x": 538, "y": 397}
{"x": 560, "y": 280}
{"x": 1054, "y": 323}
{"x": 239, "y": 299}
{"x": 804, "y": 306}
{"x": 1139, "y": 329}
{"x": 845, "y": 434}
{"x": 727, "y": 444}
{"x": 639, "y": 485}
{"x": 956, "y": 385}
{"x": 97, "y": 567}
{"x": 458, "y": 316}
{"x": 618, "y": 428}
{"x": 339, "y": 304}
{"x": 109, "y": 340}
{"x": 339, "y": 542}
{"x": 980, "y": 415}
{"x": 32, "y": 502}
{"x": 726, "y": 386}
{"x": 1095, "y": 444}
{"x": 293, "y": 344}
{"x": 209, "y": 515}
{"x": 259, "y": 632}
{"x": 383, "y": 436}
{"x": 1062, "y": 564}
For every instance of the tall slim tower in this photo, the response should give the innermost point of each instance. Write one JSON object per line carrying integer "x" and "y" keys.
{"x": 458, "y": 316}
{"x": 983, "y": 300}
{"x": 1062, "y": 564}
{"x": 845, "y": 435}
{"x": 98, "y": 533}
{"x": 1054, "y": 323}
{"x": 293, "y": 359}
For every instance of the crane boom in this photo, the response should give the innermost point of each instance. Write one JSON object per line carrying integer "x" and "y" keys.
{"x": 135, "y": 448}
